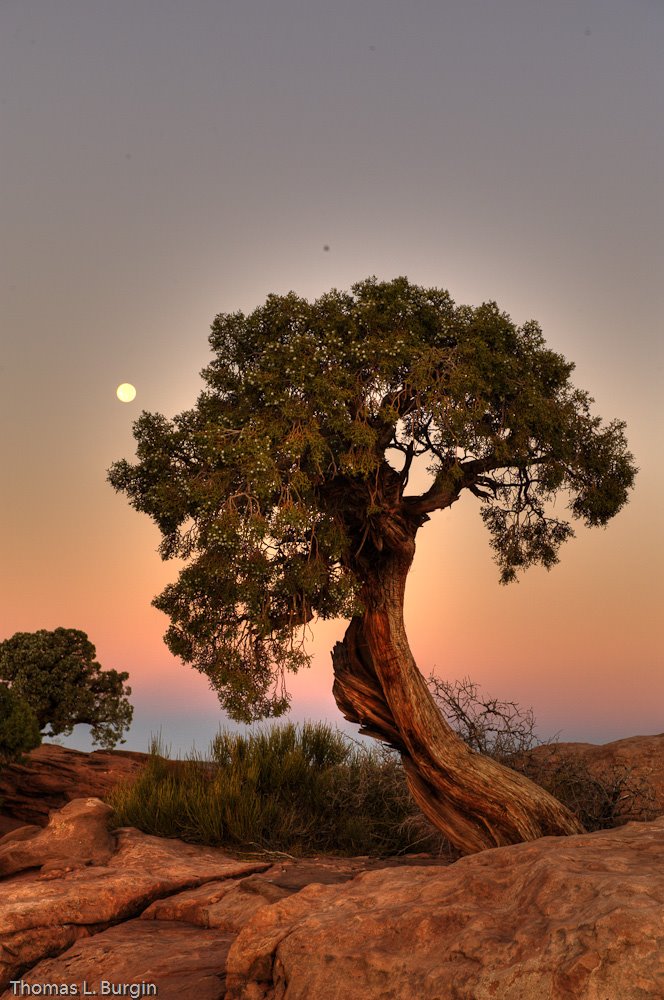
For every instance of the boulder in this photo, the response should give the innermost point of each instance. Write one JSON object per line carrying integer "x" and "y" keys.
{"x": 181, "y": 960}
{"x": 226, "y": 906}
{"x": 76, "y": 835}
{"x": 579, "y": 918}
{"x": 229, "y": 905}
{"x": 182, "y": 939}
{"x": 639, "y": 758}
{"x": 18, "y": 832}
{"x": 575, "y": 918}
{"x": 52, "y": 775}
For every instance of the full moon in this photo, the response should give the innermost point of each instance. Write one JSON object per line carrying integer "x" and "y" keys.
{"x": 126, "y": 392}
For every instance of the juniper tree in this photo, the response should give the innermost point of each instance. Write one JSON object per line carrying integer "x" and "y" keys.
{"x": 57, "y": 674}
{"x": 286, "y": 491}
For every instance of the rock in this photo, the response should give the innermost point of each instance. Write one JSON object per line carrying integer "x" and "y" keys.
{"x": 180, "y": 959}
{"x": 77, "y": 835}
{"x": 40, "y": 917}
{"x": 640, "y": 757}
{"x": 223, "y": 905}
{"x": 18, "y": 833}
{"x": 52, "y": 776}
{"x": 575, "y": 918}
{"x": 296, "y": 874}
{"x": 230, "y": 905}
{"x": 8, "y": 824}
{"x": 578, "y": 918}
{"x": 182, "y": 940}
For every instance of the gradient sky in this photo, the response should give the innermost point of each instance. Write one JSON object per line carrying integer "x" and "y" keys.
{"x": 165, "y": 161}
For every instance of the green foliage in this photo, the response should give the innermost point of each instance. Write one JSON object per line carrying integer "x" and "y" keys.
{"x": 19, "y": 729}
{"x": 311, "y": 790}
{"x": 286, "y": 484}
{"x": 302, "y": 790}
{"x": 57, "y": 675}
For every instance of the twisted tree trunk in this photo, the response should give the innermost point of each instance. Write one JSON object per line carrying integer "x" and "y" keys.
{"x": 476, "y": 802}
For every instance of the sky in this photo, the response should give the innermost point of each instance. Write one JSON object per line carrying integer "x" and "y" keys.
{"x": 165, "y": 161}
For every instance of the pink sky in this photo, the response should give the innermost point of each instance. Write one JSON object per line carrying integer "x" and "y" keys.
{"x": 161, "y": 168}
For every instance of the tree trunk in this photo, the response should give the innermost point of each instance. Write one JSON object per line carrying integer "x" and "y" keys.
{"x": 474, "y": 801}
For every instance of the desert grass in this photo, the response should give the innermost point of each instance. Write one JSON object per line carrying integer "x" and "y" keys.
{"x": 297, "y": 790}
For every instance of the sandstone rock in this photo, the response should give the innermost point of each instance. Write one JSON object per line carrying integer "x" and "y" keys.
{"x": 18, "y": 833}
{"x": 296, "y": 874}
{"x": 641, "y": 757}
{"x": 227, "y": 906}
{"x": 182, "y": 940}
{"x": 52, "y": 776}
{"x": 563, "y": 919}
{"x": 182, "y": 960}
{"x": 41, "y": 917}
{"x": 230, "y": 905}
{"x": 76, "y": 835}
{"x": 576, "y": 918}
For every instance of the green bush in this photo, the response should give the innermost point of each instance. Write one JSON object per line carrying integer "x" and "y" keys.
{"x": 300, "y": 790}
{"x": 19, "y": 729}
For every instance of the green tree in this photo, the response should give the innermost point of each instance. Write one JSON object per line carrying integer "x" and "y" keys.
{"x": 57, "y": 675}
{"x": 285, "y": 490}
{"x": 19, "y": 729}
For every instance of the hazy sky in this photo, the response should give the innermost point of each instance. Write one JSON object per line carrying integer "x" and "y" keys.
{"x": 164, "y": 161}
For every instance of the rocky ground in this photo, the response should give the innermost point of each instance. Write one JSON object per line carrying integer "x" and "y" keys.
{"x": 576, "y": 918}
{"x": 79, "y": 904}
{"x": 53, "y": 775}
{"x": 639, "y": 758}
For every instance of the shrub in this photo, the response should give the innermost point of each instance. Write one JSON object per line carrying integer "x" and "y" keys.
{"x": 499, "y": 729}
{"x": 295, "y": 789}
{"x": 601, "y": 798}
{"x": 19, "y": 729}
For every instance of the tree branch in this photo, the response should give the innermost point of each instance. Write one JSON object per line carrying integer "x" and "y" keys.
{"x": 403, "y": 475}
{"x": 446, "y": 489}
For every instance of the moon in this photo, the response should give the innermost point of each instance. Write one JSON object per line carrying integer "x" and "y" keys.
{"x": 125, "y": 392}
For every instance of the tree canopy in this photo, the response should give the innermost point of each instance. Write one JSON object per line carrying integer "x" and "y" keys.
{"x": 287, "y": 483}
{"x": 57, "y": 675}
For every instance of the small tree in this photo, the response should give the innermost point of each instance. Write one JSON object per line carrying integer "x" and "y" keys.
{"x": 57, "y": 675}
{"x": 19, "y": 729}
{"x": 286, "y": 490}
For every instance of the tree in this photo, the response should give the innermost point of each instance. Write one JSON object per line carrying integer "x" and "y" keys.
{"x": 57, "y": 675}
{"x": 285, "y": 491}
{"x": 19, "y": 729}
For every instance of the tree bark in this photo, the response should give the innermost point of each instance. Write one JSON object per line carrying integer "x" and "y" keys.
{"x": 475, "y": 802}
